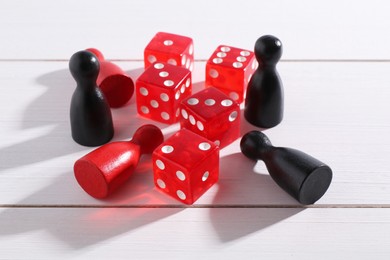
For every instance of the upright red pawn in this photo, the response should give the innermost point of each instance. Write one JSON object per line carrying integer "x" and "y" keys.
{"x": 103, "y": 170}
{"x": 114, "y": 83}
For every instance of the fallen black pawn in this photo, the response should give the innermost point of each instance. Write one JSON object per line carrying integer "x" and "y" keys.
{"x": 299, "y": 174}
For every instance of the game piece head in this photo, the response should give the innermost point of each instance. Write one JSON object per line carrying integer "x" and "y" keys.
{"x": 84, "y": 67}
{"x": 148, "y": 137}
{"x": 254, "y": 144}
{"x": 98, "y": 54}
{"x": 268, "y": 50}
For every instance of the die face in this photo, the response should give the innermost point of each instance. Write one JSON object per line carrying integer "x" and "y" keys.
{"x": 211, "y": 114}
{"x": 170, "y": 48}
{"x": 185, "y": 166}
{"x": 230, "y": 69}
{"x": 204, "y": 176}
{"x": 159, "y": 91}
{"x": 187, "y": 149}
{"x": 172, "y": 180}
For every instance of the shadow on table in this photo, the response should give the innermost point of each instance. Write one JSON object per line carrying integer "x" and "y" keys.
{"x": 51, "y": 109}
{"x": 81, "y": 226}
{"x": 247, "y": 201}
{"x": 88, "y": 227}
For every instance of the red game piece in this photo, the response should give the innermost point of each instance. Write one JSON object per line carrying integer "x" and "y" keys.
{"x": 103, "y": 170}
{"x": 229, "y": 69}
{"x": 159, "y": 91}
{"x": 185, "y": 166}
{"x": 114, "y": 83}
{"x": 213, "y": 115}
{"x": 170, "y": 48}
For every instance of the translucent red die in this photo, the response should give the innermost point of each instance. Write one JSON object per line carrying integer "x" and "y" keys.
{"x": 213, "y": 115}
{"x": 185, "y": 166}
{"x": 159, "y": 91}
{"x": 230, "y": 69}
{"x": 170, "y": 48}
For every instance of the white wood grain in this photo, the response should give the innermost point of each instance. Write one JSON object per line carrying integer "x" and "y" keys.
{"x": 149, "y": 233}
{"x": 337, "y": 112}
{"x": 337, "y": 29}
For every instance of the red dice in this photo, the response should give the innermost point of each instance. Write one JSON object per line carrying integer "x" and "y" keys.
{"x": 185, "y": 166}
{"x": 159, "y": 91}
{"x": 170, "y": 48}
{"x": 213, "y": 115}
{"x": 230, "y": 69}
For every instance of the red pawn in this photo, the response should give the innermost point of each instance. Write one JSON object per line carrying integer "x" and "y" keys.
{"x": 103, "y": 170}
{"x": 112, "y": 80}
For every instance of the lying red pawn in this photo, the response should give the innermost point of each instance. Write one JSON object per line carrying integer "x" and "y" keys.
{"x": 103, "y": 170}
{"x": 117, "y": 87}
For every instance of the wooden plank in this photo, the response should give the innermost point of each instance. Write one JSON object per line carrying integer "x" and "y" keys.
{"x": 338, "y": 112}
{"x": 343, "y": 29}
{"x": 148, "y": 233}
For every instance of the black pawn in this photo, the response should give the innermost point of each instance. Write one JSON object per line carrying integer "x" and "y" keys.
{"x": 302, "y": 176}
{"x": 264, "y": 98}
{"x": 90, "y": 114}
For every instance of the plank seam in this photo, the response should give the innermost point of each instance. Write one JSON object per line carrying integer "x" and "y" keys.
{"x": 203, "y": 206}
{"x": 205, "y": 60}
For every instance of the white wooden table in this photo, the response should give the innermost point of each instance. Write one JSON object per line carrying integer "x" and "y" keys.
{"x": 336, "y": 74}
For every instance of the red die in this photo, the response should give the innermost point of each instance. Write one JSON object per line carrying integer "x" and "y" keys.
{"x": 171, "y": 48}
{"x": 213, "y": 115}
{"x": 185, "y": 166}
{"x": 160, "y": 89}
{"x": 230, "y": 69}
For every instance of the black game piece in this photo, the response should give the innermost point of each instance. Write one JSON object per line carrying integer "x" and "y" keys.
{"x": 302, "y": 176}
{"x": 264, "y": 97}
{"x": 90, "y": 114}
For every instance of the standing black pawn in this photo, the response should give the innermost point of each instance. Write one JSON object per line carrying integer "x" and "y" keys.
{"x": 90, "y": 114}
{"x": 264, "y": 98}
{"x": 302, "y": 176}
